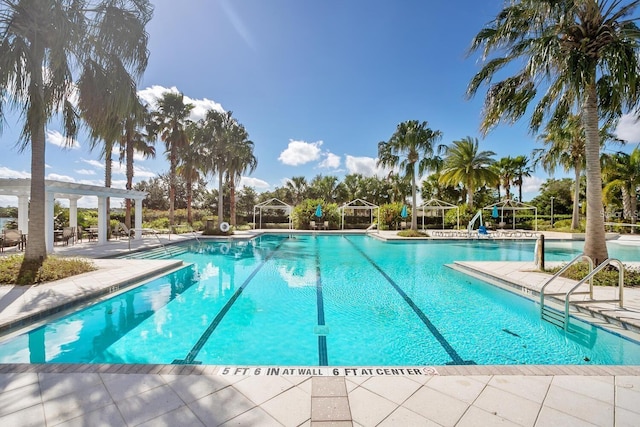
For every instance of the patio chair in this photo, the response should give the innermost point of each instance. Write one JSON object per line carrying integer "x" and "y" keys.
{"x": 11, "y": 237}
{"x": 312, "y": 225}
{"x": 67, "y": 234}
{"x": 403, "y": 225}
{"x": 325, "y": 226}
{"x": 125, "y": 231}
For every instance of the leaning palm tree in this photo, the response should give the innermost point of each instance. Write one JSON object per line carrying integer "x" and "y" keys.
{"x": 48, "y": 46}
{"x": 584, "y": 53}
{"x": 465, "y": 165}
{"x": 171, "y": 122}
{"x": 240, "y": 160}
{"x": 412, "y": 146}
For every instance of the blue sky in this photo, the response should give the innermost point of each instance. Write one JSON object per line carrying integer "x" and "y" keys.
{"x": 317, "y": 84}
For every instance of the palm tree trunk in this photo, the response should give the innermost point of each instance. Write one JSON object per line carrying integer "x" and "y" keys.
{"x": 172, "y": 185}
{"x": 232, "y": 201}
{"x": 36, "y": 250}
{"x": 129, "y": 161}
{"x": 189, "y": 200}
{"x": 414, "y": 201}
{"x": 220, "y": 199}
{"x": 575, "y": 215}
{"x": 595, "y": 245}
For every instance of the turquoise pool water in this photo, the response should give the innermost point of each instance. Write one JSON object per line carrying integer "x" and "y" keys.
{"x": 346, "y": 300}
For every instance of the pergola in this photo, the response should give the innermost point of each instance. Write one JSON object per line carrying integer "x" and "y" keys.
{"x": 439, "y": 205}
{"x": 21, "y": 188}
{"x": 514, "y": 206}
{"x": 272, "y": 204}
{"x": 358, "y": 204}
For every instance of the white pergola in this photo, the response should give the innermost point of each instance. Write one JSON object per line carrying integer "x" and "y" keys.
{"x": 439, "y": 205}
{"x": 271, "y": 204}
{"x": 21, "y": 188}
{"x": 514, "y": 206}
{"x": 358, "y": 204}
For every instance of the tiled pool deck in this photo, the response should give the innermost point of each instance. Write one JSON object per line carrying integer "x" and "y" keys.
{"x": 186, "y": 395}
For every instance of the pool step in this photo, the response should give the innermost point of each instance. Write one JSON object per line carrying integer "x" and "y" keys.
{"x": 553, "y": 316}
{"x": 159, "y": 253}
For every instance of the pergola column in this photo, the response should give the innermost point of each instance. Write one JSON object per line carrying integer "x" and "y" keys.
{"x": 49, "y": 200}
{"x": 138, "y": 218}
{"x": 73, "y": 211}
{"x": 103, "y": 220}
{"x": 23, "y": 213}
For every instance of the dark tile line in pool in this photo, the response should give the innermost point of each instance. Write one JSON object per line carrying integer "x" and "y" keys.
{"x": 50, "y": 311}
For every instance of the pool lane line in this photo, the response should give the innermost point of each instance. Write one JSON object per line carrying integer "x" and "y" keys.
{"x": 190, "y": 359}
{"x": 323, "y": 358}
{"x": 455, "y": 357}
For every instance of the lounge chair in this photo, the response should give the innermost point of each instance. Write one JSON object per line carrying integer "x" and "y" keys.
{"x": 67, "y": 234}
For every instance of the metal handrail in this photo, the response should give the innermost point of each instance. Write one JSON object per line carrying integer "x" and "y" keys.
{"x": 562, "y": 270}
{"x": 589, "y": 276}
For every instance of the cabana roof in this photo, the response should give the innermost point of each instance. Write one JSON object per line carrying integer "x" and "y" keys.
{"x": 273, "y": 203}
{"x": 436, "y": 205}
{"x": 514, "y": 206}
{"x": 358, "y": 204}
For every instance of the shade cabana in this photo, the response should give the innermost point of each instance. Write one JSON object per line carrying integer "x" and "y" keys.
{"x": 439, "y": 205}
{"x": 271, "y": 204}
{"x": 359, "y": 204}
{"x": 513, "y": 206}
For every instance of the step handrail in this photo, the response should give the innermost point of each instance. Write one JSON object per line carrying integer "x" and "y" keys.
{"x": 562, "y": 270}
{"x": 589, "y": 276}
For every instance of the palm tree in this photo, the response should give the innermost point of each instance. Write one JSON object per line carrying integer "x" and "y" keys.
{"x": 325, "y": 188}
{"x": 48, "y": 46}
{"x": 465, "y": 165}
{"x": 522, "y": 170}
{"x": 136, "y": 136}
{"x": 506, "y": 170}
{"x": 565, "y": 146}
{"x": 585, "y": 54}
{"x": 622, "y": 172}
{"x": 240, "y": 160}
{"x": 171, "y": 122}
{"x": 298, "y": 186}
{"x": 413, "y": 145}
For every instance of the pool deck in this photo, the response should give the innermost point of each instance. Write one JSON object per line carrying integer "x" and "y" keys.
{"x": 186, "y": 395}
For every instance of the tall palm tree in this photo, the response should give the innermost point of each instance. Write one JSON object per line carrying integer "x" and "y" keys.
{"x": 465, "y": 165}
{"x": 171, "y": 122}
{"x": 189, "y": 168}
{"x": 412, "y": 148}
{"x": 240, "y": 160}
{"x": 506, "y": 170}
{"x": 48, "y": 46}
{"x": 564, "y": 143}
{"x": 522, "y": 170}
{"x": 584, "y": 53}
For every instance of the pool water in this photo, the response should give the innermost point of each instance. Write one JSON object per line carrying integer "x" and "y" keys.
{"x": 347, "y": 300}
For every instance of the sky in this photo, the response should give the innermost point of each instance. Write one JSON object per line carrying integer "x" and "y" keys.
{"x": 317, "y": 84}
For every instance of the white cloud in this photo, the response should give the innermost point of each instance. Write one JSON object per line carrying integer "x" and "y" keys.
{"x": 255, "y": 183}
{"x": 300, "y": 152}
{"x": 628, "y": 128}
{"x": 56, "y": 138}
{"x": 57, "y": 177}
{"x": 95, "y": 163}
{"x": 530, "y": 184}
{"x": 10, "y": 173}
{"x": 151, "y": 95}
{"x": 331, "y": 161}
{"x": 365, "y": 166}
{"x": 85, "y": 172}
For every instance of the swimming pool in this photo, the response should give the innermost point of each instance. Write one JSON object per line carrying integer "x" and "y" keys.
{"x": 347, "y": 300}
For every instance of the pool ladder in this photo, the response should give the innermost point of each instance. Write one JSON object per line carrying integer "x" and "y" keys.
{"x": 562, "y": 319}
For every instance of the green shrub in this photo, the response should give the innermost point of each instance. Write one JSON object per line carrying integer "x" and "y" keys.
{"x": 606, "y": 277}
{"x": 14, "y": 271}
